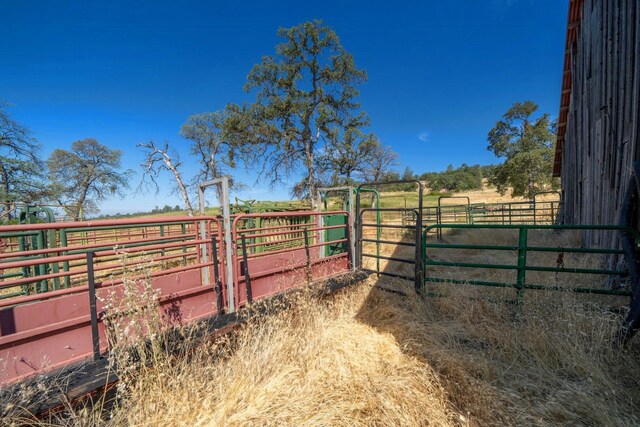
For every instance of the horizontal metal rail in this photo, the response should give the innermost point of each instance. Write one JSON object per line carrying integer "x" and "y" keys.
{"x": 522, "y": 264}
{"x": 51, "y": 257}
{"x": 295, "y": 244}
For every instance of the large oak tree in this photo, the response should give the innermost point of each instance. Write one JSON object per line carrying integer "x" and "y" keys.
{"x": 85, "y": 175}
{"x": 526, "y": 144}
{"x": 305, "y": 95}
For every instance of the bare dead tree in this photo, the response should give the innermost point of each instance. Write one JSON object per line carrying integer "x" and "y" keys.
{"x": 379, "y": 163}
{"x": 158, "y": 160}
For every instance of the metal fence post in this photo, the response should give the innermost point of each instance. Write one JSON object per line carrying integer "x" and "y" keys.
{"x": 357, "y": 220}
{"x": 245, "y": 259}
{"x": 351, "y": 253}
{"x": 65, "y": 264}
{"x": 305, "y": 233}
{"x": 351, "y": 228}
{"x": 183, "y": 230}
{"x": 43, "y": 285}
{"x": 423, "y": 247}
{"x": 438, "y": 222}
{"x": 216, "y": 274}
{"x": 226, "y": 226}
{"x": 522, "y": 263}
{"x": 418, "y": 267}
{"x": 92, "y": 307}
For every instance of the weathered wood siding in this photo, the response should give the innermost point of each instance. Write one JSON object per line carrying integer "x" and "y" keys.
{"x": 602, "y": 127}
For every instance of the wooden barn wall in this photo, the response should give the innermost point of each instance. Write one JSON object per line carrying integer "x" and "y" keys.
{"x": 602, "y": 134}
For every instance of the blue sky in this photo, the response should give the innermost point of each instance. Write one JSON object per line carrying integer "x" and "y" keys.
{"x": 440, "y": 72}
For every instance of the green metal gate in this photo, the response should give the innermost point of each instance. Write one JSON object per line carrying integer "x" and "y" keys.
{"x": 468, "y": 248}
{"x": 334, "y": 234}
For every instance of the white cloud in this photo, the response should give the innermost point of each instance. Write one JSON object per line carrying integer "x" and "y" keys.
{"x": 424, "y": 136}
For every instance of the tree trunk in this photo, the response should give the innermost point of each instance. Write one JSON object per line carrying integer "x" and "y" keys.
{"x": 80, "y": 203}
{"x": 214, "y": 174}
{"x": 311, "y": 182}
{"x": 180, "y": 182}
{"x": 4, "y": 182}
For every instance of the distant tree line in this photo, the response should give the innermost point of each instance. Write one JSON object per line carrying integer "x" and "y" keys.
{"x": 463, "y": 178}
{"x": 525, "y": 143}
{"x": 156, "y": 210}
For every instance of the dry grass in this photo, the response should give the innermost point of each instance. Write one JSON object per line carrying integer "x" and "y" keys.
{"x": 314, "y": 364}
{"x": 367, "y": 357}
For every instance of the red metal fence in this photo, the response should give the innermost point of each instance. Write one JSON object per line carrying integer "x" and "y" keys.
{"x": 46, "y": 312}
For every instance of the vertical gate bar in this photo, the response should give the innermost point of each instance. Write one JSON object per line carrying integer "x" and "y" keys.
{"x": 349, "y": 242}
{"x": 522, "y": 263}
{"x": 245, "y": 268}
{"x": 26, "y": 271}
{"x": 162, "y": 251}
{"x": 226, "y": 221}
{"x": 322, "y": 249}
{"x": 203, "y": 252}
{"x": 92, "y": 307}
{"x": 418, "y": 268}
{"x": 42, "y": 268}
{"x": 305, "y": 233}
{"x": 378, "y": 228}
{"x": 52, "y": 243}
{"x": 423, "y": 239}
{"x": 439, "y": 221}
{"x": 351, "y": 228}
{"x": 216, "y": 274}
{"x": 358, "y": 222}
{"x": 183, "y": 229}
{"x": 65, "y": 264}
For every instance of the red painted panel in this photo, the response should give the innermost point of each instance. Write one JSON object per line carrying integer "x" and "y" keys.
{"x": 49, "y": 334}
{"x": 278, "y": 282}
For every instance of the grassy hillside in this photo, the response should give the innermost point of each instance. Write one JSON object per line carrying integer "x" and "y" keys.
{"x": 390, "y": 199}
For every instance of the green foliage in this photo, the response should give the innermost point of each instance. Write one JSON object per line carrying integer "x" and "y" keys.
{"x": 165, "y": 209}
{"x": 395, "y": 176}
{"x": 527, "y": 145}
{"x": 408, "y": 175}
{"x": 349, "y": 157}
{"x": 464, "y": 178}
{"x": 87, "y": 174}
{"x": 305, "y": 95}
{"x": 215, "y": 153}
